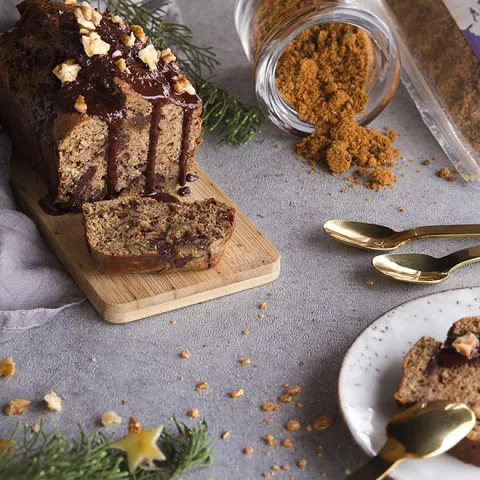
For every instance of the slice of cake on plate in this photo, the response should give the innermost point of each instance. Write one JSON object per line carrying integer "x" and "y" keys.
{"x": 448, "y": 371}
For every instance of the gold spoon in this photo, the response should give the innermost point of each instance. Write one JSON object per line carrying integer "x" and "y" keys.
{"x": 422, "y": 431}
{"x": 378, "y": 237}
{"x": 419, "y": 268}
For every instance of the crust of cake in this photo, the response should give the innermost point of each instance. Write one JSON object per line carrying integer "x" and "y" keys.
{"x": 424, "y": 380}
{"x": 183, "y": 256}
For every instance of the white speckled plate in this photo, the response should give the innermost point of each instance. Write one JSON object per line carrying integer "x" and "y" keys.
{"x": 371, "y": 373}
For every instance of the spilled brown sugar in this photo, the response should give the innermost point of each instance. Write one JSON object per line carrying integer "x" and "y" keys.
{"x": 322, "y": 74}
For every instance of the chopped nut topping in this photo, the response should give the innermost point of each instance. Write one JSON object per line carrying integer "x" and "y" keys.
{"x": 293, "y": 425}
{"x": 284, "y": 398}
{"x": 81, "y": 104}
{"x": 16, "y": 407}
{"x": 293, "y": 390}
{"x": 182, "y": 84}
{"x": 225, "y": 435}
{"x": 244, "y": 361}
{"x": 323, "y": 422}
{"x": 139, "y": 33}
{"x": 302, "y": 463}
{"x": 96, "y": 17}
{"x": 167, "y": 56}
{"x": 269, "y": 440}
{"x": 110, "y": 418}
{"x": 7, "y": 444}
{"x": 8, "y": 367}
{"x": 122, "y": 65}
{"x": 236, "y": 393}
{"x": 134, "y": 426}
{"x": 286, "y": 443}
{"x": 269, "y": 407}
{"x": 84, "y": 31}
{"x": 466, "y": 344}
{"x": 116, "y": 53}
{"x": 185, "y": 354}
{"x": 149, "y": 57}
{"x": 67, "y": 71}
{"x": 117, "y": 19}
{"x": 129, "y": 40}
{"x": 70, "y": 2}
{"x": 248, "y": 450}
{"x": 193, "y": 413}
{"x": 94, "y": 45}
{"x": 202, "y": 386}
{"x": 53, "y": 401}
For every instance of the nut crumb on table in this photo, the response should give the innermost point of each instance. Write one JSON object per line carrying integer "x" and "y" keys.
{"x": 269, "y": 440}
{"x": 8, "y": 367}
{"x": 16, "y": 407}
{"x": 193, "y": 413}
{"x": 110, "y": 418}
{"x": 236, "y": 393}
{"x": 202, "y": 386}
{"x": 185, "y": 354}
{"x": 53, "y": 402}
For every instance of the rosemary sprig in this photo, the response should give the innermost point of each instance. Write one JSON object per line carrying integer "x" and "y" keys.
{"x": 51, "y": 456}
{"x": 222, "y": 111}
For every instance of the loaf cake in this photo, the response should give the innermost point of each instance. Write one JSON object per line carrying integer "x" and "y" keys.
{"x": 94, "y": 106}
{"x": 448, "y": 371}
{"x": 141, "y": 234}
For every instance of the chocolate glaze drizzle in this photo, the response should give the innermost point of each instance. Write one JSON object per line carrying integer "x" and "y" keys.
{"x": 99, "y": 82}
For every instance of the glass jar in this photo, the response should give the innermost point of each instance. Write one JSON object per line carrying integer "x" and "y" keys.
{"x": 265, "y": 28}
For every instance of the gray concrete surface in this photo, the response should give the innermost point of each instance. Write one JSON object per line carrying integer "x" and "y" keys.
{"x": 320, "y": 303}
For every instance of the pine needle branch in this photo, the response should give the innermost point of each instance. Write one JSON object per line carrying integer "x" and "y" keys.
{"x": 236, "y": 123}
{"x": 42, "y": 456}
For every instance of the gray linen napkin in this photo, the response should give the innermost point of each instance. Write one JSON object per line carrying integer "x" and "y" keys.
{"x": 34, "y": 286}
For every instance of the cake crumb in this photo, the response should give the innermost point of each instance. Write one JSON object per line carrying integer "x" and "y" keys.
{"x": 53, "y": 402}
{"x": 286, "y": 443}
{"x": 269, "y": 407}
{"x": 236, "y": 393}
{"x": 444, "y": 172}
{"x": 110, "y": 418}
{"x": 16, "y": 407}
{"x": 302, "y": 463}
{"x": 193, "y": 413}
{"x": 269, "y": 440}
{"x": 323, "y": 422}
{"x": 202, "y": 386}
{"x": 293, "y": 425}
{"x": 284, "y": 398}
{"x": 8, "y": 367}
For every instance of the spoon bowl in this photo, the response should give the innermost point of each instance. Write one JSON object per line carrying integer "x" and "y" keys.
{"x": 419, "y": 432}
{"x": 419, "y": 268}
{"x": 377, "y": 237}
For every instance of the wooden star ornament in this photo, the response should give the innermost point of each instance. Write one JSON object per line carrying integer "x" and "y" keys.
{"x": 140, "y": 446}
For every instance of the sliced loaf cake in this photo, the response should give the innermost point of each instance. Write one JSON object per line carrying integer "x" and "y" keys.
{"x": 448, "y": 371}
{"x": 138, "y": 234}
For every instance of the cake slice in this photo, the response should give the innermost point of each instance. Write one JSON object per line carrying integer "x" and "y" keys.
{"x": 448, "y": 371}
{"x": 138, "y": 234}
{"x": 94, "y": 106}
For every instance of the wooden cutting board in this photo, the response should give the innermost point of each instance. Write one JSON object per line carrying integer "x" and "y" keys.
{"x": 250, "y": 259}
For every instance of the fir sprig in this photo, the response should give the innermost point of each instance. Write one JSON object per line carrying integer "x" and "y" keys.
{"x": 222, "y": 111}
{"x": 42, "y": 456}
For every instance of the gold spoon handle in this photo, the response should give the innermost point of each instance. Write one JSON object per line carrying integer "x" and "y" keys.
{"x": 376, "y": 469}
{"x": 441, "y": 231}
{"x": 462, "y": 257}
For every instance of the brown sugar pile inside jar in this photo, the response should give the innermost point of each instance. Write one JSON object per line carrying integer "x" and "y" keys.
{"x": 322, "y": 74}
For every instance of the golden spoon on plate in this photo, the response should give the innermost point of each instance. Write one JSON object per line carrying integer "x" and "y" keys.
{"x": 422, "y": 431}
{"x": 378, "y": 237}
{"x": 419, "y": 268}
